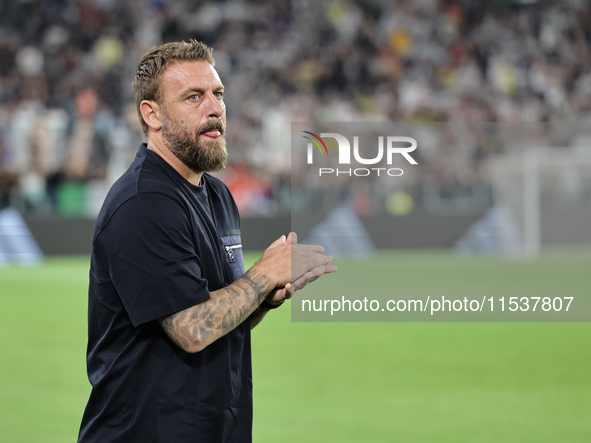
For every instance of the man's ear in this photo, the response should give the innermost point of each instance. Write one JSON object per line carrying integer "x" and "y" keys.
{"x": 151, "y": 114}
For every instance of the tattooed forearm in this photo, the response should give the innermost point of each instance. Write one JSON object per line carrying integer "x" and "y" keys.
{"x": 259, "y": 283}
{"x": 200, "y": 325}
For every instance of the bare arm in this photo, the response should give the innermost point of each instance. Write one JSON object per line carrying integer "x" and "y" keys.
{"x": 198, "y": 326}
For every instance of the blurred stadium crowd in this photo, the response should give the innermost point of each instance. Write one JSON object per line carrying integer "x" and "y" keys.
{"x": 68, "y": 125}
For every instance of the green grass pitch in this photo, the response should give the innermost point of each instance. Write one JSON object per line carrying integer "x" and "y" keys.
{"x": 336, "y": 382}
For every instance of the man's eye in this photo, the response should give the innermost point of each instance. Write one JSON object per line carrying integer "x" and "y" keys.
{"x": 219, "y": 94}
{"x": 193, "y": 97}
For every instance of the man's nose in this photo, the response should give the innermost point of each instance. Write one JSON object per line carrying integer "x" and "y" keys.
{"x": 215, "y": 106}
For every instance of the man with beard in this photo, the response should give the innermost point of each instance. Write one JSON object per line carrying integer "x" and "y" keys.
{"x": 170, "y": 306}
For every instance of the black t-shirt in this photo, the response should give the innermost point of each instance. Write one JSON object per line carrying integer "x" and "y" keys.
{"x": 161, "y": 245}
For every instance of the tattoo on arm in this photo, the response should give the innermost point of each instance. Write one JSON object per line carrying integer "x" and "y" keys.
{"x": 200, "y": 325}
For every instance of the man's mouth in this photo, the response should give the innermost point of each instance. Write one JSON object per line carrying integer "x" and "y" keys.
{"x": 215, "y": 133}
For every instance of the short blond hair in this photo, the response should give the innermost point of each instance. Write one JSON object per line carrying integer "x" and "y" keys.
{"x": 146, "y": 84}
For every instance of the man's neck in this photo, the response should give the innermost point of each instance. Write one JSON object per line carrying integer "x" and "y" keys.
{"x": 187, "y": 173}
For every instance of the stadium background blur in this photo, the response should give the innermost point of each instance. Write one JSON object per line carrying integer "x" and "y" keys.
{"x": 68, "y": 129}
{"x": 68, "y": 125}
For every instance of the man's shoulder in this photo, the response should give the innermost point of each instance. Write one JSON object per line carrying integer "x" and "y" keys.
{"x": 141, "y": 178}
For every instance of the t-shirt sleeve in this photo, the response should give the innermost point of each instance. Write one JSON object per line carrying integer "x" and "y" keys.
{"x": 148, "y": 249}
